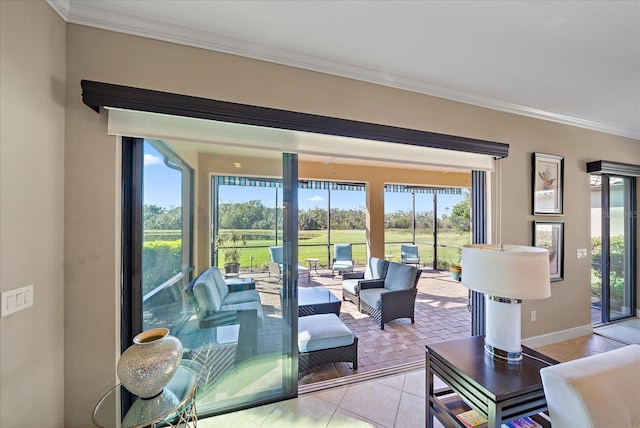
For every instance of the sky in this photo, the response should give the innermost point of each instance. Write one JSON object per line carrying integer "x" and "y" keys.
{"x": 162, "y": 187}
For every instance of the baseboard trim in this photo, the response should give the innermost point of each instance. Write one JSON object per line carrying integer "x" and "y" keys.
{"x": 558, "y": 336}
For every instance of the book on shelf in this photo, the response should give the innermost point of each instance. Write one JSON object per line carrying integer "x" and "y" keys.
{"x": 525, "y": 422}
{"x": 472, "y": 419}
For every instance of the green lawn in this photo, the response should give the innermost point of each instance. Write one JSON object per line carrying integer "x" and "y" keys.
{"x": 313, "y": 244}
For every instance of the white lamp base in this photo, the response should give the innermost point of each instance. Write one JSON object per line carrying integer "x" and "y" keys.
{"x": 502, "y": 332}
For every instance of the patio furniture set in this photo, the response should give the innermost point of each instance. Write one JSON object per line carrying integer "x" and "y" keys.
{"x": 385, "y": 290}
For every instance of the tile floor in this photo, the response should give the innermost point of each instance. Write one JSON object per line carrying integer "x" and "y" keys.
{"x": 395, "y": 401}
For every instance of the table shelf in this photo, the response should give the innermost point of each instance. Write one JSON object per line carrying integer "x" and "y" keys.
{"x": 451, "y": 405}
{"x": 501, "y": 392}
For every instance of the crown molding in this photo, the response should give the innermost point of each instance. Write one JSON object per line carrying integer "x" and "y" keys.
{"x": 61, "y": 7}
{"x": 86, "y": 14}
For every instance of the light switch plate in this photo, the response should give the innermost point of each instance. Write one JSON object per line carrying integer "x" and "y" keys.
{"x": 17, "y": 300}
{"x": 581, "y": 253}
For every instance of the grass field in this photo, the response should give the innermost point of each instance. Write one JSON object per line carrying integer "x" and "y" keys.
{"x": 313, "y": 244}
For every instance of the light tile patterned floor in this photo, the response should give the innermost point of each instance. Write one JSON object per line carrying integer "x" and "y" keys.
{"x": 396, "y": 401}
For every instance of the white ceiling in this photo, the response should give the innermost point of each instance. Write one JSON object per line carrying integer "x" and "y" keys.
{"x": 574, "y": 62}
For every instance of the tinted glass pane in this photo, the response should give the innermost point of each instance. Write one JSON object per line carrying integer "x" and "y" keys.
{"x": 596, "y": 249}
{"x": 348, "y": 221}
{"x": 313, "y": 222}
{"x": 620, "y": 304}
{"x": 163, "y": 258}
{"x": 424, "y": 227}
{"x": 254, "y": 214}
{"x": 398, "y": 222}
{"x": 454, "y": 227}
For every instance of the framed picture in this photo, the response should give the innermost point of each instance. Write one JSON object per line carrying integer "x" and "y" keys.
{"x": 550, "y": 235}
{"x": 548, "y": 178}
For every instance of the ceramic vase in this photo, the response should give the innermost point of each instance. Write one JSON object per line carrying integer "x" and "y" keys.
{"x": 148, "y": 365}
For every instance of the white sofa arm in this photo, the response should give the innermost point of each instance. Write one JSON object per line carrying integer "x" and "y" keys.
{"x": 602, "y": 390}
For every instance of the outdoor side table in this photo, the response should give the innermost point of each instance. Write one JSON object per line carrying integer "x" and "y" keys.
{"x": 313, "y": 263}
{"x": 174, "y": 406}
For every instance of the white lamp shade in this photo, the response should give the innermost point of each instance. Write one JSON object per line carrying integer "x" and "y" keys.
{"x": 511, "y": 271}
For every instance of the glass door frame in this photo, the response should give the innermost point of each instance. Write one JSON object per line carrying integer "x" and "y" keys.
{"x": 608, "y": 169}
{"x": 630, "y": 234}
{"x": 132, "y": 242}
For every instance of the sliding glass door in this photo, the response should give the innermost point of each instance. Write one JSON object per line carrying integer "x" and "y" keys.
{"x": 613, "y": 246}
{"x": 236, "y": 326}
{"x": 167, "y": 259}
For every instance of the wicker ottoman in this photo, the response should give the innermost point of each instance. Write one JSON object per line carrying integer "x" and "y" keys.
{"x": 324, "y": 339}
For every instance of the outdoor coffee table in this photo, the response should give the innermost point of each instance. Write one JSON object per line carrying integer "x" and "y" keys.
{"x": 317, "y": 300}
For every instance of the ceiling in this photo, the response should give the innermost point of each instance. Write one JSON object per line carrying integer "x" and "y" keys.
{"x": 574, "y": 62}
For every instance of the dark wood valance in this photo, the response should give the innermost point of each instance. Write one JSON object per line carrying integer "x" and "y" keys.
{"x": 97, "y": 94}
{"x": 613, "y": 168}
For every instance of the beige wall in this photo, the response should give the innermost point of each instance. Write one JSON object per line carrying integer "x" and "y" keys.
{"x": 568, "y": 306}
{"x": 32, "y": 114}
{"x": 32, "y": 194}
{"x": 93, "y": 182}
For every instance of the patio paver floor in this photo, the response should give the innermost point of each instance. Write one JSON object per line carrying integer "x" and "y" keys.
{"x": 440, "y": 314}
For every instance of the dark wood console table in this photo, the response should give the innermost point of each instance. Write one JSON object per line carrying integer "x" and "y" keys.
{"x": 500, "y": 391}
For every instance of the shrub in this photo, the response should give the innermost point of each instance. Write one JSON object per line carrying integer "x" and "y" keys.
{"x": 616, "y": 244}
{"x": 160, "y": 261}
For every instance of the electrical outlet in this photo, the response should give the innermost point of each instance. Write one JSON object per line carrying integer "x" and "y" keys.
{"x": 533, "y": 315}
{"x": 581, "y": 253}
{"x": 17, "y": 300}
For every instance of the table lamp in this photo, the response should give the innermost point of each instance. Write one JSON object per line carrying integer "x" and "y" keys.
{"x": 507, "y": 275}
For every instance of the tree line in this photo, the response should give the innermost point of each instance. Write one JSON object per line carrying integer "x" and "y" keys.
{"x": 255, "y": 215}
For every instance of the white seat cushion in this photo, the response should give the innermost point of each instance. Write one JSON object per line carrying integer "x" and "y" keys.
{"x": 602, "y": 390}
{"x": 244, "y": 296}
{"x": 206, "y": 293}
{"x": 343, "y": 265}
{"x": 376, "y": 268}
{"x": 400, "y": 277}
{"x": 322, "y": 331}
{"x": 351, "y": 285}
{"x": 371, "y": 296}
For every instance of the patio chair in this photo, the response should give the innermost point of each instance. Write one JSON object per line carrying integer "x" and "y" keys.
{"x": 409, "y": 255}
{"x": 351, "y": 282}
{"x": 342, "y": 259}
{"x": 276, "y": 263}
{"x": 392, "y": 297}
